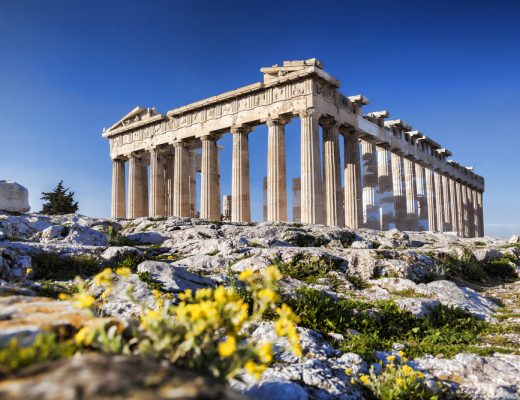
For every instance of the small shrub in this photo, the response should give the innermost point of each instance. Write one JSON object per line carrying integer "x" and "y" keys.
{"x": 115, "y": 238}
{"x": 358, "y": 282}
{"x": 130, "y": 262}
{"x": 213, "y": 253}
{"x": 45, "y": 348}
{"x": 152, "y": 283}
{"x": 55, "y": 289}
{"x": 55, "y": 267}
{"x": 256, "y": 244}
{"x": 306, "y": 269}
{"x": 501, "y": 268}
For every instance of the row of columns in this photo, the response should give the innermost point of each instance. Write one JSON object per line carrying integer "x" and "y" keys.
{"x": 381, "y": 189}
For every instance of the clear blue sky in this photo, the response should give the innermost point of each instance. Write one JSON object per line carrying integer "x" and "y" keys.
{"x": 70, "y": 68}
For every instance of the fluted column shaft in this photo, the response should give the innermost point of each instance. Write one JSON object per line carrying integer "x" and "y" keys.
{"x": 169, "y": 172}
{"x": 276, "y": 171}
{"x": 157, "y": 206}
{"x": 400, "y": 212}
{"x": 422, "y": 203}
{"x": 439, "y": 201}
{"x": 181, "y": 181}
{"x": 311, "y": 185}
{"x": 353, "y": 198}
{"x": 460, "y": 209}
{"x": 476, "y": 212}
{"x": 193, "y": 182}
{"x": 334, "y": 214}
{"x": 411, "y": 195}
{"x": 136, "y": 188}
{"x": 370, "y": 205}
{"x": 209, "y": 191}
{"x": 480, "y": 214}
{"x": 386, "y": 194}
{"x": 471, "y": 212}
{"x": 447, "y": 203}
{"x": 430, "y": 200}
{"x": 145, "y": 199}
{"x": 118, "y": 189}
{"x": 453, "y": 206}
{"x": 465, "y": 209}
{"x": 240, "y": 191}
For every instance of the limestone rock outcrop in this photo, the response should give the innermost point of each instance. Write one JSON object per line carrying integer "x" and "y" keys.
{"x": 13, "y": 197}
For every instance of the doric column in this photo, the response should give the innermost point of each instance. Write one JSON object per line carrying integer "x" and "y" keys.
{"x": 447, "y": 203}
{"x": 370, "y": 205}
{"x": 453, "y": 206}
{"x": 334, "y": 214}
{"x": 399, "y": 191}
{"x": 135, "y": 188}
{"x": 169, "y": 174}
{"x": 193, "y": 182}
{"x": 209, "y": 196}
{"x": 471, "y": 212}
{"x": 118, "y": 189}
{"x": 460, "y": 209}
{"x": 181, "y": 180}
{"x": 144, "y": 185}
{"x": 157, "y": 206}
{"x": 430, "y": 200}
{"x": 352, "y": 165}
{"x": 311, "y": 185}
{"x": 476, "y": 213}
{"x": 240, "y": 195}
{"x": 480, "y": 213}
{"x": 276, "y": 171}
{"x": 439, "y": 201}
{"x": 386, "y": 194}
{"x": 465, "y": 209}
{"x": 421, "y": 197}
{"x": 411, "y": 195}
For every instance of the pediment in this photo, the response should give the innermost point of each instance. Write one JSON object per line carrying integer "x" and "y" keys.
{"x": 137, "y": 115}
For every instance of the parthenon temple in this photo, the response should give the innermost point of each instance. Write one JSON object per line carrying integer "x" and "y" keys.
{"x": 394, "y": 176}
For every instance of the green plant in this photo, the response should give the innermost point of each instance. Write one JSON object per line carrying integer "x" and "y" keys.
{"x": 213, "y": 253}
{"x": 56, "y": 267}
{"x": 256, "y": 244}
{"x": 445, "y": 330}
{"x": 502, "y": 268}
{"x": 152, "y": 283}
{"x": 115, "y": 238}
{"x": 53, "y": 289}
{"x": 59, "y": 201}
{"x": 45, "y": 348}
{"x": 130, "y": 262}
{"x": 305, "y": 268}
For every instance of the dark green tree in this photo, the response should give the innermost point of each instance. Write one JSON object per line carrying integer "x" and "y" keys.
{"x": 59, "y": 201}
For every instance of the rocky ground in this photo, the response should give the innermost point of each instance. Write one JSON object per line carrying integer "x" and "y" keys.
{"x": 450, "y": 305}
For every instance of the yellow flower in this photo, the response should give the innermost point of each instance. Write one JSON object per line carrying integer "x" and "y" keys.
{"x": 400, "y": 381}
{"x": 272, "y": 274}
{"x": 123, "y": 271}
{"x": 265, "y": 352}
{"x": 407, "y": 369}
{"x": 104, "y": 277}
{"x": 220, "y": 294}
{"x": 420, "y": 375}
{"x": 348, "y": 371}
{"x": 84, "y": 300}
{"x": 255, "y": 369}
{"x": 401, "y": 353}
{"x": 84, "y": 337}
{"x": 150, "y": 318}
{"x": 364, "y": 379}
{"x": 28, "y": 271}
{"x": 63, "y": 296}
{"x": 227, "y": 347}
{"x": 390, "y": 358}
{"x": 267, "y": 295}
{"x": 245, "y": 275}
{"x": 186, "y": 295}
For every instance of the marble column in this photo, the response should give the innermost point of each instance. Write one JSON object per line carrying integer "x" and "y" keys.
{"x": 471, "y": 213}
{"x": 145, "y": 200}
{"x": 400, "y": 212}
{"x": 118, "y": 189}
{"x": 422, "y": 203}
{"x": 311, "y": 185}
{"x": 169, "y": 172}
{"x": 240, "y": 188}
{"x": 460, "y": 209}
{"x": 352, "y": 173}
{"x": 386, "y": 194}
{"x": 181, "y": 180}
{"x": 480, "y": 214}
{"x": 411, "y": 195}
{"x": 476, "y": 212}
{"x": 192, "y": 162}
{"x": 157, "y": 206}
{"x": 430, "y": 200}
{"x": 276, "y": 193}
{"x": 332, "y": 189}
{"x": 135, "y": 188}
{"x": 209, "y": 196}
{"x": 370, "y": 195}
{"x": 453, "y": 208}
{"x": 439, "y": 201}
{"x": 465, "y": 210}
{"x": 447, "y": 203}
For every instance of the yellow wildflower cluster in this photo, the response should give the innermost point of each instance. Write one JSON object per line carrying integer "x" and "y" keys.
{"x": 396, "y": 381}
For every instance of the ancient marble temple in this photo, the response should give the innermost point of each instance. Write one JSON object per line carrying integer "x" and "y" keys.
{"x": 394, "y": 176}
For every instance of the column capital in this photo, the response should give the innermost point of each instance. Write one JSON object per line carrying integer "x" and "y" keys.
{"x": 180, "y": 143}
{"x": 237, "y": 129}
{"x": 277, "y": 121}
{"x": 309, "y": 112}
{"x": 208, "y": 137}
{"x": 328, "y": 122}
